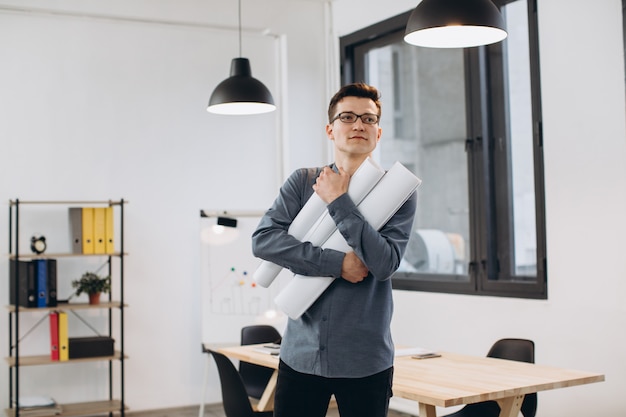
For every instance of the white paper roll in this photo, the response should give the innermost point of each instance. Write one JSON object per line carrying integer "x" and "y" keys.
{"x": 377, "y": 208}
{"x": 313, "y": 224}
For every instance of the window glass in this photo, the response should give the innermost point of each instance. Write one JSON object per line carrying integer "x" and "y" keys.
{"x": 521, "y": 137}
{"x": 424, "y": 128}
{"x": 467, "y": 121}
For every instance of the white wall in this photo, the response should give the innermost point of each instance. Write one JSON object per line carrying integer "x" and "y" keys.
{"x": 582, "y": 323}
{"x": 143, "y": 116}
{"x": 107, "y": 100}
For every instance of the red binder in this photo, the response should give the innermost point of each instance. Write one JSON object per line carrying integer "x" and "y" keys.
{"x": 54, "y": 336}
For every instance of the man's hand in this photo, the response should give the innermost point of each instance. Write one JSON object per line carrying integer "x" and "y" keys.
{"x": 330, "y": 185}
{"x": 352, "y": 269}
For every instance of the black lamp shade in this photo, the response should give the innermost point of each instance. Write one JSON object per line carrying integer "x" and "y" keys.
{"x": 455, "y": 24}
{"x": 241, "y": 93}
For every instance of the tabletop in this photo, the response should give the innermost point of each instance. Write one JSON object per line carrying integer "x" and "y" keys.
{"x": 455, "y": 379}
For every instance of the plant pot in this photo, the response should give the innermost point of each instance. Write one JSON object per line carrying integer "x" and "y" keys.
{"x": 94, "y": 298}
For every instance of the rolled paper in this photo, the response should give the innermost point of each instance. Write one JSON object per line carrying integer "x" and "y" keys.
{"x": 313, "y": 224}
{"x": 391, "y": 192}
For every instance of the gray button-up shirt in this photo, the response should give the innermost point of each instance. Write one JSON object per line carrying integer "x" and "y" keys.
{"x": 346, "y": 332}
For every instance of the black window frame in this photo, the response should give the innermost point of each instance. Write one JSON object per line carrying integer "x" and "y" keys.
{"x": 489, "y": 204}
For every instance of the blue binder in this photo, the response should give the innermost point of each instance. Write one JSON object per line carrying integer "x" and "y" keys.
{"x": 41, "y": 273}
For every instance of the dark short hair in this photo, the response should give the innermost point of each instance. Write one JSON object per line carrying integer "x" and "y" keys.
{"x": 361, "y": 90}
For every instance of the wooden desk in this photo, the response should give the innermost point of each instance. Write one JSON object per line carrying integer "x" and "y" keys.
{"x": 450, "y": 380}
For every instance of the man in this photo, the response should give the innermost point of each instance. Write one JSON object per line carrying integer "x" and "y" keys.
{"x": 342, "y": 344}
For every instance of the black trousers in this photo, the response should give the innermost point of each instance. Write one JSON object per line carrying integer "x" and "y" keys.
{"x": 304, "y": 395}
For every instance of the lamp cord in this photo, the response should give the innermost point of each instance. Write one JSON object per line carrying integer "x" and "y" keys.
{"x": 239, "y": 28}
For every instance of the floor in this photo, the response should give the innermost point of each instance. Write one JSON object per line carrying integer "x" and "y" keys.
{"x": 216, "y": 410}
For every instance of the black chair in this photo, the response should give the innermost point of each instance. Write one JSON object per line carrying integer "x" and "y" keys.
{"x": 234, "y": 395}
{"x": 255, "y": 377}
{"x": 521, "y": 350}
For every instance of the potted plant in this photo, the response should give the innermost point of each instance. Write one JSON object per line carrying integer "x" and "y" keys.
{"x": 92, "y": 284}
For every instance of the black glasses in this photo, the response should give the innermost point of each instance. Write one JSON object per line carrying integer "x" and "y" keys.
{"x": 349, "y": 117}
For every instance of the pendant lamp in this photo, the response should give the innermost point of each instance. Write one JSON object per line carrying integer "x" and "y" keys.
{"x": 241, "y": 93}
{"x": 455, "y": 24}
{"x": 223, "y": 231}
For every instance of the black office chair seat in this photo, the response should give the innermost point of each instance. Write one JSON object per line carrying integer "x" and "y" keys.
{"x": 521, "y": 350}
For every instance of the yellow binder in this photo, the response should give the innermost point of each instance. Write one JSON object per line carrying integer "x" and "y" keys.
{"x": 88, "y": 242}
{"x": 99, "y": 230}
{"x": 109, "y": 231}
{"x": 64, "y": 352}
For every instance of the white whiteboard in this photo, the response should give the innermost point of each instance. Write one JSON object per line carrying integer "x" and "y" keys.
{"x": 230, "y": 298}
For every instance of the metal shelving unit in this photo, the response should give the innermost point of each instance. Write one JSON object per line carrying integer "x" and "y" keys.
{"x": 15, "y": 361}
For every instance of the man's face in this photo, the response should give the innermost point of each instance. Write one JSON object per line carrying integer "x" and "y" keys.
{"x": 358, "y": 138}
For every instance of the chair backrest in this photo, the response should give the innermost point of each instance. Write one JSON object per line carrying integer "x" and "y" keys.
{"x": 234, "y": 395}
{"x": 521, "y": 350}
{"x": 255, "y": 377}
{"x": 259, "y": 333}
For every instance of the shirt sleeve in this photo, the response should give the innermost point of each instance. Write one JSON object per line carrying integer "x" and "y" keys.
{"x": 272, "y": 242}
{"x": 380, "y": 250}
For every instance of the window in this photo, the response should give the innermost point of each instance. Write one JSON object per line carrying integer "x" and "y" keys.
{"x": 468, "y": 123}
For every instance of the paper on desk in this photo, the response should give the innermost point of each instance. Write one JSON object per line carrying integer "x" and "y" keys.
{"x": 314, "y": 224}
{"x": 389, "y": 194}
{"x": 270, "y": 350}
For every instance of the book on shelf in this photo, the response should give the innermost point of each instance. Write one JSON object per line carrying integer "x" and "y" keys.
{"x": 35, "y": 401}
{"x": 53, "y": 410}
{"x": 64, "y": 353}
{"x": 51, "y": 269}
{"x": 24, "y": 271}
{"x": 54, "y": 336}
{"x": 109, "y": 231}
{"x": 76, "y": 229}
{"x": 38, "y": 406}
{"x": 37, "y": 282}
{"x": 91, "y": 230}
{"x": 41, "y": 272}
{"x": 88, "y": 241}
{"x": 99, "y": 229}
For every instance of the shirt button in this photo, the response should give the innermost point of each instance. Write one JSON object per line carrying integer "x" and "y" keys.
{"x": 322, "y": 347}
{"x": 324, "y": 318}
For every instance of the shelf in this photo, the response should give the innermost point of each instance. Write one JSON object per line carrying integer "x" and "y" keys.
{"x": 113, "y": 225}
{"x": 69, "y": 306}
{"x": 78, "y": 409}
{"x": 64, "y": 255}
{"x": 45, "y": 360}
{"x": 70, "y": 202}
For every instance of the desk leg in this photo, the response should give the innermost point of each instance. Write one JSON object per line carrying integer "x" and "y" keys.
{"x": 427, "y": 410}
{"x": 266, "y": 403}
{"x": 510, "y": 407}
{"x": 205, "y": 382}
